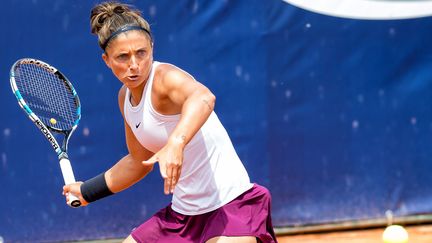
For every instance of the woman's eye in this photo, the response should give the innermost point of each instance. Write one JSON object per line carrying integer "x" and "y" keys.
{"x": 141, "y": 53}
{"x": 122, "y": 57}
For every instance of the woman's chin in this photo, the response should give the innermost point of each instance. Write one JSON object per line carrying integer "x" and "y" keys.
{"x": 133, "y": 84}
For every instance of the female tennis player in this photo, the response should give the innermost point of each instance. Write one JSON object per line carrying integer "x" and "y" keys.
{"x": 169, "y": 119}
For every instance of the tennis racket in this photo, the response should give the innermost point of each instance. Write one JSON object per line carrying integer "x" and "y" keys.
{"x": 51, "y": 102}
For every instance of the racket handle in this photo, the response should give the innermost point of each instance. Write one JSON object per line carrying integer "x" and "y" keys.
{"x": 69, "y": 178}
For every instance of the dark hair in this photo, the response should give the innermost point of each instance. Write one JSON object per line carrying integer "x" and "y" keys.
{"x": 108, "y": 17}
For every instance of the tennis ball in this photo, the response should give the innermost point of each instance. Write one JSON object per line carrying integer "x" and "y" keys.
{"x": 395, "y": 234}
{"x": 53, "y": 121}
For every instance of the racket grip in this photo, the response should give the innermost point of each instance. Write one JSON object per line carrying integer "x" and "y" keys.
{"x": 69, "y": 178}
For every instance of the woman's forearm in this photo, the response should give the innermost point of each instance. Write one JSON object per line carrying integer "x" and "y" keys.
{"x": 126, "y": 172}
{"x": 195, "y": 112}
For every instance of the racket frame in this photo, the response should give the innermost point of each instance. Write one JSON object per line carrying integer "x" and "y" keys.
{"x": 47, "y": 130}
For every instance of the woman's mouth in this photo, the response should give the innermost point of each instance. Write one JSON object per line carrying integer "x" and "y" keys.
{"x": 133, "y": 77}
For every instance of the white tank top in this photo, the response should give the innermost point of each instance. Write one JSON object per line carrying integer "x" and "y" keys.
{"x": 212, "y": 174}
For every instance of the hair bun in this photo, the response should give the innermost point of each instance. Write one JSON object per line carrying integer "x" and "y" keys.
{"x": 107, "y": 17}
{"x": 120, "y": 9}
{"x": 104, "y": 11}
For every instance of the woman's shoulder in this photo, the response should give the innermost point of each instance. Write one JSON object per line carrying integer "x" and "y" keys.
{"x": 122, "y": 93}
{"x": 167, "y": 72}
{"x": 121, "y": 97}
{"x": 163, "y": 68}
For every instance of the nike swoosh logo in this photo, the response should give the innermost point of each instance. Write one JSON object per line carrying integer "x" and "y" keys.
{"x": 137, "y": 125}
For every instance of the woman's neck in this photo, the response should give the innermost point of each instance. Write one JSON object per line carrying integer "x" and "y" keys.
{"x": 136, "y": 94}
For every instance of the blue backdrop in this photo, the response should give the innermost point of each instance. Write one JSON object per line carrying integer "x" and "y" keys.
{"x": 333, "y": 115}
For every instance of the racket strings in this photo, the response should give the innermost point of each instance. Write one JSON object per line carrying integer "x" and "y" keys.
{"x": 47, "y": 95}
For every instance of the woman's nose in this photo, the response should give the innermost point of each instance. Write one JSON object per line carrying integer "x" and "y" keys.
{"x": 133, "y": 63}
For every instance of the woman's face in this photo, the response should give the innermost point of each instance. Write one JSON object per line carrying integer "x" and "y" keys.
{"x": 130, "y": 57}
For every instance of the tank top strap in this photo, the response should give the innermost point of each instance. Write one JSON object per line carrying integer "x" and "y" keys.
{"x": 149, "y": 84}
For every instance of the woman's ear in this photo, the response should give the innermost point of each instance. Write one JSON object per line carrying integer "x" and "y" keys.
{"x": 105, "y": 58}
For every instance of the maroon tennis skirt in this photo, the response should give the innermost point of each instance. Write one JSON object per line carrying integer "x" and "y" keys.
{"x": 247, "y": 215}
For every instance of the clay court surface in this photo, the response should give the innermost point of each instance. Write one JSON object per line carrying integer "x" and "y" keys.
{"x": 417, "y": 234}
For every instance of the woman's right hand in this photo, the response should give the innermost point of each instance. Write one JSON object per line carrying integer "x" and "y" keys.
{"x": 75, "y": 189}
{"x": 170, "y": 159}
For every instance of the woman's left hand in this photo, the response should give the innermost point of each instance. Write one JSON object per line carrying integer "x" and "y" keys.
{"x": 170, "y": 159}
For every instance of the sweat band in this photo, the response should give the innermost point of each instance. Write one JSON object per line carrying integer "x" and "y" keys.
{"x": 95, "y": 188}
{"x": 121, "y": 30}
